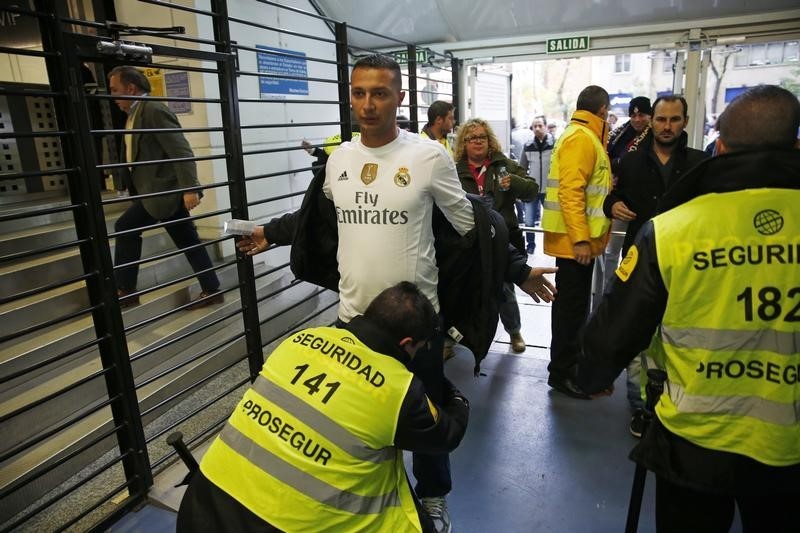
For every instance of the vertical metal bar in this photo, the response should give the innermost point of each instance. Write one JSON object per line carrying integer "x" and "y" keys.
{"x": 413, "y": 113}
{"x": 343, "y": 75}
{"x": 455, "y": 73}
{"x": 692, "y": 87}
{"x": 229, "y": 94}
{"x": 84, "y": 185}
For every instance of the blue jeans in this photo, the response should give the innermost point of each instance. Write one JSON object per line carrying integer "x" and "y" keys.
{"x": 509, "y": 310}
{"x": 633, "y": 380}
{"x": 532, "y": 214}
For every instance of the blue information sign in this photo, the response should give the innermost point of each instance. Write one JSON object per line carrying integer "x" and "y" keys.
{"x": 294, "y": 64}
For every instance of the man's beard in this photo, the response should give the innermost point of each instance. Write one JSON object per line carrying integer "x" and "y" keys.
{"x": 667, "y": 144}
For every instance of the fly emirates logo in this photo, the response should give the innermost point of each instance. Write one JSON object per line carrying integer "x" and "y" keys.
{"x": 366, "y": 211}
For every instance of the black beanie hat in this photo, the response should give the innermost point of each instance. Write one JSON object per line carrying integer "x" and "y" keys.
{"x": 640, "y": 104}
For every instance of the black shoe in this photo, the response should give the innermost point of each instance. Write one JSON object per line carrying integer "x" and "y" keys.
{"x": 207, "y": 298}
{"x": 568, "y": 387}
{"x": 125, "y": 298}
{"x": 637, "y": 423}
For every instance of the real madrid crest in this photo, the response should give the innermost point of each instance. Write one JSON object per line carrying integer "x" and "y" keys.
{"x": 369, "y": 172}
{"x": 402, "y": 178}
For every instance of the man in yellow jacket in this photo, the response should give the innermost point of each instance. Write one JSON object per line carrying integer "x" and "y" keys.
{"x": 575, "y": 227}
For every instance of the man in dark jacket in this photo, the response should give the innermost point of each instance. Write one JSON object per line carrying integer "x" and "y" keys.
{"x": 622, "y": 140}
{"x": 626, "y": 138}
{"x": 699, "y": 285}
{"x": 223, "y": 495}
{"x": 161, "y": 176}
{"x": 536, "y": 160}
{"x": 644, "y": 175}
{"x": 642, "y": 178}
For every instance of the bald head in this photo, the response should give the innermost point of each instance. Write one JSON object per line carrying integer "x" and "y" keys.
{"x": 764, "y": 117}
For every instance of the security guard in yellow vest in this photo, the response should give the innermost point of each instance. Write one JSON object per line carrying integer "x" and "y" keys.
{"x": 717, "y": 276}
{"x": 315, "y": 443}
{"x": 441, "y": 120}
{"x": 575, "y": 227}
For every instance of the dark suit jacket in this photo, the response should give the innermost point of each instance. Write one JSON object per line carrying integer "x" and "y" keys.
{"x": 158, "y": 177}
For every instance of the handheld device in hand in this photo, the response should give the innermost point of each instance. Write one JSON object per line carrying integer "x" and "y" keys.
{"x": 239, "y": 227}
{"x": 502, "y": 173}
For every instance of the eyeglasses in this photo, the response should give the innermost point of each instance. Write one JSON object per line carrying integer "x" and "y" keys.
{"x": 476, "y": 138}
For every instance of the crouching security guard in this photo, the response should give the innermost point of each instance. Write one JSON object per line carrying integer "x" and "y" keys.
{"x": 315, "y": 443}
{"x": 718, "y": 270}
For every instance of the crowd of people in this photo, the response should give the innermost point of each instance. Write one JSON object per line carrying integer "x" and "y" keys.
{"x": 402, "y": 225}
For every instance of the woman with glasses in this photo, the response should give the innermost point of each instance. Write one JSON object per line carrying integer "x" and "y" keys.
{"x": 484, "y": 170}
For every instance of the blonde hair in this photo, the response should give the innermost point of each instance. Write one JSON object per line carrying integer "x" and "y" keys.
{"x": 463, "y": 131}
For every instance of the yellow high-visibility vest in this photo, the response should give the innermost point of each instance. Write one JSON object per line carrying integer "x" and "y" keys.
{"x": 443, "y": 141}
{"x": 731, "y": 330}
{"x": 310, "y": 445}
{"x": 338, "y": 140}
{"x": 595, "y": 192}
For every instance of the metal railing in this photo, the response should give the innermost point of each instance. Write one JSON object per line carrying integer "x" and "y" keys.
{"x": 89, "y": 388}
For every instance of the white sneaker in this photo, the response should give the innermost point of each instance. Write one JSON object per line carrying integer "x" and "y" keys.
{"x": 437, "y": 510}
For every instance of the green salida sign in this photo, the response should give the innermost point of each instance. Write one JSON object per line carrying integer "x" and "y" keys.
{"x": 567, "y": 44}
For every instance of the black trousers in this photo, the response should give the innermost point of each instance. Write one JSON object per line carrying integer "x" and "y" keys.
{"x": 569, "y": 312}
{"x": 184, "y": 234}
{"x": 761, "y": 507}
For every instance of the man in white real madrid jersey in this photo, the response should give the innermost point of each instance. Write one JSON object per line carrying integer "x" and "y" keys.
{"x": 384, "y": 186}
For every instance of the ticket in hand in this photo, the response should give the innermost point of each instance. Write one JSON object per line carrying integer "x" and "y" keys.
{"x": 239, "y": 227}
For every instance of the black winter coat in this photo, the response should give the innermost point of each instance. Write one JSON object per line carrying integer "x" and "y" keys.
{"x": 639, "y": 182}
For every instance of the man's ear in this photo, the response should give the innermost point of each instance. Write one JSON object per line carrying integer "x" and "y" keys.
{"x": 406, "y": 340}
{"x": 402, "y": 97}
{"x": 720, "y": 148}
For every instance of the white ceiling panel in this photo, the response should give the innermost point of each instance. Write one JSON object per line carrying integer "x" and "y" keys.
{"x": 448, "y": 21}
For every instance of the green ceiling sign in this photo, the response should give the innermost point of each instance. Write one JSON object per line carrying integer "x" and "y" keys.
{"x": 567, "y": 44}
{"x": 401, "y": 56}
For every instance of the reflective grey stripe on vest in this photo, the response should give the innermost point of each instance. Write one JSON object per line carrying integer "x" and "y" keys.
{"x": 597, "y": 190}
{"x": 321, "y": 423}
{"x": 782, "y": 414}
{"x": 763, "y": 340}
{"x": 596, "y": 212}
{"x": 303, "y": 482}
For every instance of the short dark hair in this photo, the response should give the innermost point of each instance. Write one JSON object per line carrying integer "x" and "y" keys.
{"x": 439, "y": 108}
{"x": 592, "y": 98}
{"x": 403, "y": 311}
{"x": 672, "y": 98}
{"x": 128, "y": 74}
{"x": 763, "y": 117}
{"x": 381, "y": 62}
{"x": 544, "y": 119}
